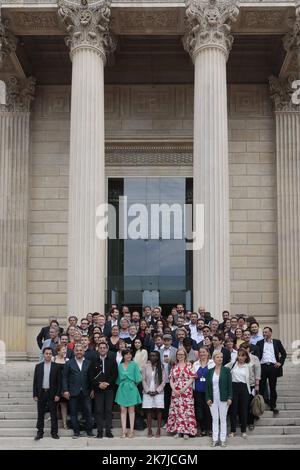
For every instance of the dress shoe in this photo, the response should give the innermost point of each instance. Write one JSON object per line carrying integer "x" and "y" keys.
{"x": 38, "y": 437}
{"x": 109, "y": 434}
{"x": 275, "y": 411}
{"x": 90, "y": 434}
{"x": 55, "y": 436}
{"x": 99, "y": 435}
{"x": 76, "y": 435}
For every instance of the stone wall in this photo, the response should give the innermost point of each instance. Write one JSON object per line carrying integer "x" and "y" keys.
{"x": 158, "y": 113}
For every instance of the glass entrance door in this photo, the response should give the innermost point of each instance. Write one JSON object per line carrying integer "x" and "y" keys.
{"x": 156, "y": 268}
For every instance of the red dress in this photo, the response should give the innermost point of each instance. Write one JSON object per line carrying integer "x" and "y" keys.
{"x": 182, "y": 412}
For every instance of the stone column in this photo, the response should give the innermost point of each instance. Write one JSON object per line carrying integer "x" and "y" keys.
{"x": 208, "y": 41}
{"x": 89, "y": 43}
{"x": 287, "y": 116}
{"x": 14, "y": 172}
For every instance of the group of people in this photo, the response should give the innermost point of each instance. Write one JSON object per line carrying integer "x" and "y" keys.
{"x": 186, "y": 369}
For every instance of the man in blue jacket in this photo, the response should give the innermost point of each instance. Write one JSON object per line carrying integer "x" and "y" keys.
{"x": 77, "y": 389}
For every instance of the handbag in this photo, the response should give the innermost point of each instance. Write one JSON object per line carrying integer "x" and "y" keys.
{"x": 257, "y": 405}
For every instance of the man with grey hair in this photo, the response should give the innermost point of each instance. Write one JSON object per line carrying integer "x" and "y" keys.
{"x": 77, "y": 389}
{"x": 45, "y": 331}
{"x": 52, "y": 342}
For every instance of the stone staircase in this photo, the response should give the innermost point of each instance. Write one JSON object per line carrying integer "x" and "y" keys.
{"x": 18, "y": 419}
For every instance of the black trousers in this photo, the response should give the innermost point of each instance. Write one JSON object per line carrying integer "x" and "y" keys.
{"x": 103, "y": 409}
{"x": 44, "y": 403}
{"x": 167, "y": 399}
{"x": 269, "y": 372}
{"x": 240, "y": 403}
{"x": 86, "y": 406}
{"x": 202, "y": 411}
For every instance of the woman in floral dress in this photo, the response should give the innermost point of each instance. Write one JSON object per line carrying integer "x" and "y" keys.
{"x": 181, "y": 420}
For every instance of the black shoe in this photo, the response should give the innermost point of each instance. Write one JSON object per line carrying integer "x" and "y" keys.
{"x": 55, "y": 436}
{"x": 76, "y": 435}
{"x": 109, "y": 434}
{"x": 90, "y": 434}
{"x": 99, "y": 435}
{"x": 275, "y": 411}
{"x": 38, "y": 436}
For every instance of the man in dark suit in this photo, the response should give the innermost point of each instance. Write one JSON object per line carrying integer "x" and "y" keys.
{"x": 45, "y": 332}
{"x": 77, "y": 389}
{"x": 46, "y": 392}
{"x": 217, "y": 346}
{"x": 103, "y": 375}
{"x": 272, "y": 355}
{"x": 114, "y": 321}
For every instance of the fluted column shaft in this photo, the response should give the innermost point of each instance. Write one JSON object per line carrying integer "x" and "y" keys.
{"x": 208, "y": 40}
{"x": 89, "y": 41}
{"x": 288, "y": 204}
{"x": 210, "y": 171}
{"x": 14, "y": 171}
{"x": 86, "y": 255}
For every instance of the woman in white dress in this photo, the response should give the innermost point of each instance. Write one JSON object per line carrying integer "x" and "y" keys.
{"x": 154, "y": 380}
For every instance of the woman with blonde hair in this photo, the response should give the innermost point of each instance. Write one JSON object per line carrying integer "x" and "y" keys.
{"x": 218, "y": 395}
{"x": 181, "y": 418}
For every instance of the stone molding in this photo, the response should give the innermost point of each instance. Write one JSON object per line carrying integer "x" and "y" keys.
{"x": 8, "y": 42}
{"x": 149, "y": 155}
{"x": 87, "y": 25}
{"x": 281, "y": 93}
{"x": 209, "y": 25}
{"x": 291, "y": 41}
{"x": 19, "y": 94}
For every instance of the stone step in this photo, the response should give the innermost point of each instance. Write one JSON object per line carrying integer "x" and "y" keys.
{"x": 252, "y": 439}
{"x": 13, "y": 414}
{"x": 287, "y": 399}
{"x": 142, "y": 443}
{"x": 262, "y": 423}
{"x": 278, "y": 421}
{"x": 16, "y": 394}
{"x": 18, "y": 408}
{"x": 276, "y": 430}
{"x": 31, "y": 423}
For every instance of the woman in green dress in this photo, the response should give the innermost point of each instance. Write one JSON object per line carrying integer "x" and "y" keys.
{"x": 128, "y": 395}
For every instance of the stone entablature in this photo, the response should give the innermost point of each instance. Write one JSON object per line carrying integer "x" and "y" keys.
{"x": 151, "y": 17}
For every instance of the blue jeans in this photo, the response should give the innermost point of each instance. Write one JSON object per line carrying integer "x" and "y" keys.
{"x": 86, "y": 406}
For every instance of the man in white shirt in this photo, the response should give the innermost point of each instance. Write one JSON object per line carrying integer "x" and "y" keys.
{"x": 272, "y": 355}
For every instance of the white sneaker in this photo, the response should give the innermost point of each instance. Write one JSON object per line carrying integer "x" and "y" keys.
{"x": 223, "y": 444}
{"x": 186, "y": 436}
{"x": 244, "y": 435}
{"x": 177, "y": 436}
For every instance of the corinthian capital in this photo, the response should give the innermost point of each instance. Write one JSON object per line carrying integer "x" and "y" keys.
{"x": 8, "y": 42}
{"x": 209, "y": 24}
{"x": 281, "y": 91}
{"x": 19, "y": 94}
{"x": 87, "y": 25}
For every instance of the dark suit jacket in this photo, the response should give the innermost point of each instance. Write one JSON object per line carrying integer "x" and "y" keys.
{"x": 54, "y": 380}
{"x": 107, "y": 329}
{"x": 226, "y": 355}
{"x": 76, "y": 380}
{"x": 110, "y": 371}
{"x": 90, "y": 355}
{"x": 44, "y": 334}
{"x": 279, "y": 351}
{"x": 175, "y": 344}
